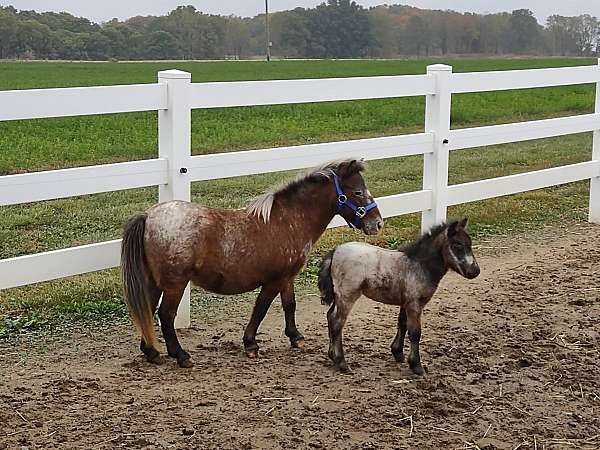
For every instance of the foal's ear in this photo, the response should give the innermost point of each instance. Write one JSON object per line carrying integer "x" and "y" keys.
{"x": 452, "y": 228}
{"x": 464, "y": 223}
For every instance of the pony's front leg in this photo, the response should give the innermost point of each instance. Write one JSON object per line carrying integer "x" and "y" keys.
{"x": 288, "y": 302}
{"x": 261, "y": 306}
{"x": 398, "y": 344}
{"x": 413, "y": 313}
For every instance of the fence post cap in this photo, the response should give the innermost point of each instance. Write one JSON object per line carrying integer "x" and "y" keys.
{"x": 174, "y": 74}
{"x": 439, "y": 68}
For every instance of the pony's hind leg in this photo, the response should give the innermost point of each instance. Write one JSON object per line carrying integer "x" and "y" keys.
{"x": 261, "y": 306}
{"x": 166, "y": 313}
{"x": 152, "y": 355}
{"x": 288, "y": 302}
{"x": 398, "y": 344}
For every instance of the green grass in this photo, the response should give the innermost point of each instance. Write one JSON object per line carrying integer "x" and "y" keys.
{"x": 57, "y": 143}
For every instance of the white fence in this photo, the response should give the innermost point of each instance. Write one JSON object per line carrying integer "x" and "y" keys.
{"x": 174, "y": 96}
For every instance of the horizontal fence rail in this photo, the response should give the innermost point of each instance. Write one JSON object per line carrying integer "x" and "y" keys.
{"x": 56, "y": 184}
{"x": 277, "y": 92}
{"x": 523, "y": 131}
{"x": 522, "y": 79}
{"x": 225, "y": 165}
{"x": 81, "y": 101}
{"x": 23, "y": 270}
{"x": 522, "y": 182}
{"x": 174, "y": 96}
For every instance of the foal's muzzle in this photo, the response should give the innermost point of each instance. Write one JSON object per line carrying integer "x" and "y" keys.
{"x": 472, "y": 271}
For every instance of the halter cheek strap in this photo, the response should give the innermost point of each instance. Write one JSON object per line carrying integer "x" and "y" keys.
{"x": 359, "y": 211}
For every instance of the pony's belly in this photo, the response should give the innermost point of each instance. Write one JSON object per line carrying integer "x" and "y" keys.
{"x": 218, "y": 283}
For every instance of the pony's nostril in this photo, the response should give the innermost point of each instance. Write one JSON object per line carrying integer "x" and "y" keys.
{"x": 379, "y": 226}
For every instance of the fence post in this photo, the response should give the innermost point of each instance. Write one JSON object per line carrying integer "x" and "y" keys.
{"x": 594, "y": 215}
{"x": 174, "y": 144}
{"x": 435, "y": 165}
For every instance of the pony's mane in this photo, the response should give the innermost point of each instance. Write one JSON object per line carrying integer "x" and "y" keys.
{"x": 414, "y": 248}
{"x": 262, "y": 206}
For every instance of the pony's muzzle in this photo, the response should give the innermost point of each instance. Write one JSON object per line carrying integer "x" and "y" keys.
{"x": 372, "y": 227}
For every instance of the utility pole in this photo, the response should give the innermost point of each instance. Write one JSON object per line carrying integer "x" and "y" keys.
{"x": 267, "y": 31}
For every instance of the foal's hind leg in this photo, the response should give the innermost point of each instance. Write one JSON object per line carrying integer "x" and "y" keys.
{"x": 166, "y": 313}
{"x": 263, "y": 302}
{"x": 288, "y": 302}
{"x": 152, "y": 355}
{"x": 398, "y": 344}
{"x": 336, "y": 319}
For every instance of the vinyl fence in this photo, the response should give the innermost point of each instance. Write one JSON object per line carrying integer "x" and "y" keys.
{"x": 174, "y": 96}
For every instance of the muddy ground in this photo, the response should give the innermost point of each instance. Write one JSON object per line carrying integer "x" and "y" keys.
{"x": 512, "y": 358}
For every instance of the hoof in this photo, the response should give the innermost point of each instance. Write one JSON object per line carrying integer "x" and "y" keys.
{"x": 418, "y": 370}
{"x": 156, "y": 359}
{"x": 252, "y": 353}
{"x": 343, "y": 368}
{"x": 399, "y": 357}
{"x": 185, "y": 363}
{"x": 298, "y": 343}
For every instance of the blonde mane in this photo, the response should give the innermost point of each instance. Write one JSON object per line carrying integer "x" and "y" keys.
{"x": 262, "y": 206}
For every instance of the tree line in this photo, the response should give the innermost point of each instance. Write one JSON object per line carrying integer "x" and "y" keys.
{"x": 334, "y": 29}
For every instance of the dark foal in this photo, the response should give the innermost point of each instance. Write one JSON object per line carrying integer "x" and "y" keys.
{"x": 231, "y": 251}
{"x": 407, "y": 278}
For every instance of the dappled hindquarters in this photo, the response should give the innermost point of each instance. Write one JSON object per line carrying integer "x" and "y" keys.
{"x": 512, "y": 359}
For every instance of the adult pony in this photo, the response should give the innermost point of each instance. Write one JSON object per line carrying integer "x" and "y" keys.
{"x": 231, "y": 251}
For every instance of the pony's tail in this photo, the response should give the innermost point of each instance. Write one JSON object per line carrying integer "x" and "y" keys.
{"x": 325, "y": 282}
{"x": 136, "y": 275}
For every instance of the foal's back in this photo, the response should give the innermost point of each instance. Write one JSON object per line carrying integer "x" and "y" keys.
{"x": 382, "y": 275}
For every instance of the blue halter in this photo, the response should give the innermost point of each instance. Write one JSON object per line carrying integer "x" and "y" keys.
{"x": 342, "y": 200}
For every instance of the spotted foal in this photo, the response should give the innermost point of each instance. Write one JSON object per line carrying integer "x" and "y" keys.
{"x": 407, "y": 278}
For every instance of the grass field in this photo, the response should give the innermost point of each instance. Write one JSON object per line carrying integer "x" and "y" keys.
{"x": 67, "y": 142}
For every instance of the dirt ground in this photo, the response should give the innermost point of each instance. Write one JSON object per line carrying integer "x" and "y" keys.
{"x": 512, "y": 358}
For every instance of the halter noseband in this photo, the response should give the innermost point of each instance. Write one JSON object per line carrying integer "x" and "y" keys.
{"x": 342, "y": 200}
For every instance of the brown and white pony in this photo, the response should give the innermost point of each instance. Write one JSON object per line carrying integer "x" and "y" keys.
{"x": 231, "y": 251}
{"x": 407, "y": 278}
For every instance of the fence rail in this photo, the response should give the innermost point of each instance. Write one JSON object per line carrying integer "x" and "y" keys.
{"x": 174, "y": 96}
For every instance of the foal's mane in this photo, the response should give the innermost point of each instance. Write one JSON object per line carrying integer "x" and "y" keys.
{"x": 262, "y": 206}
{"x": 415, "y": 248}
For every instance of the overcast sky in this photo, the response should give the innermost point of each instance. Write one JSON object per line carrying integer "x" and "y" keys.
{"x": 102, "y": 10}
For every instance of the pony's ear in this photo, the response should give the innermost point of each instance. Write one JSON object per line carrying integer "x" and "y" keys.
{"x": 452, "y": 228}
{"x": 464, "y": 223}
{"x": 351, "y": 167}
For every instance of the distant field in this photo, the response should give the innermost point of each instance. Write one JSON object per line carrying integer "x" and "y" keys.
{"x": 57, "y": 143}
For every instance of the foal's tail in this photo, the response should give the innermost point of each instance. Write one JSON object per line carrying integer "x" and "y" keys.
{"x": 136, "y": 276}
{"x": 325, "y": 282}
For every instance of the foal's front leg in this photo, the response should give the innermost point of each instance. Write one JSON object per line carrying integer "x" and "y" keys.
{"x": 288, "y": 302}
{"x": 263, "y": 302}
{"x": 413, "y": 315}
{"x": 398, "y": 344}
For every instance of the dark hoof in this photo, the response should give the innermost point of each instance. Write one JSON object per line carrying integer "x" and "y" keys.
{"x": 251, "y": 353}
{"x": 418, "y": 369}
{"x": 399, "y": 357}
{"x": 343, "y": 368}
{"x": 156, "y": 359}
{"x": 185, "y": 363}
{"x": 298, "y": 343}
